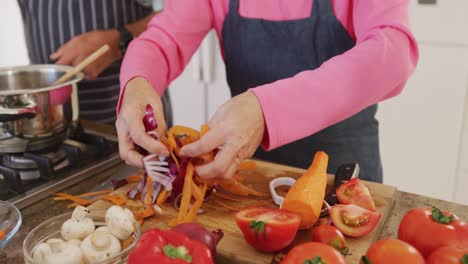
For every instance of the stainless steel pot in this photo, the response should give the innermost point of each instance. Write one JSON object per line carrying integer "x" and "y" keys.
{"x": 31, "y": 108}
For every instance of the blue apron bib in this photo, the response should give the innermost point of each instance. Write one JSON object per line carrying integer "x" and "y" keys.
{"x": 259, "y": 51}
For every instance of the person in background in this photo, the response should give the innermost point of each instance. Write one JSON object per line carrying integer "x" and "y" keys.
{"x": 306, "y": 75}
{"x": 67, "y": 31}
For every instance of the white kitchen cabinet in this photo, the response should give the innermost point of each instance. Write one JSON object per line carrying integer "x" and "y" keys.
{"x": 443, "y": 22}
{"x": 199, "y": 91}
{"x": 188, "y": 97}
{"x": 421, "y": 129}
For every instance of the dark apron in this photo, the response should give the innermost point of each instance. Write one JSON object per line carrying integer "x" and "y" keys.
{"x": 259, "y": 51}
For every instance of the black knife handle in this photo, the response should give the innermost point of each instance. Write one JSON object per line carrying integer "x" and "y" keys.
{"x": 344, "y": 173}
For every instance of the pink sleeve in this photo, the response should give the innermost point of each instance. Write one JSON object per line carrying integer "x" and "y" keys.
{"x": 161, "y": 52}
{"x": 376, "y": 69}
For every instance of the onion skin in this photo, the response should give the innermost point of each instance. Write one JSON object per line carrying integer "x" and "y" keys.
{"x": 199, "y": 233}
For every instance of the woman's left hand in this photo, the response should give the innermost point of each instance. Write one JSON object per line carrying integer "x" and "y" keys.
{"x": 237, "y": 128}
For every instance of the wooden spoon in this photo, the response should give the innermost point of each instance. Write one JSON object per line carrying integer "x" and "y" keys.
{"x": 91, "y": 58}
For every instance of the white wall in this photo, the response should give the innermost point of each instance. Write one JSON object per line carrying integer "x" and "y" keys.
{"x": 12, "y": 46}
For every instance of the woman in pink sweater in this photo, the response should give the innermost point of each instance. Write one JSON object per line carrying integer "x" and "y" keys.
{"x": 305, "y": 75}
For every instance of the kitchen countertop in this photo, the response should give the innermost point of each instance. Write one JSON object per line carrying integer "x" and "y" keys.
{"x": 47, "y": 208}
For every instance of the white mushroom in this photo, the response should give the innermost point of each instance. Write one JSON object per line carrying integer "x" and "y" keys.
{"x": 79, "y": 226}
{"x": 99, "y": 246}
{"x": 75, "y": 242}
{"x": 41, "y": 251}
{"x": 103, "y": 229}
{"x": 57, "y": 251}
{"x": 120, "y": 222}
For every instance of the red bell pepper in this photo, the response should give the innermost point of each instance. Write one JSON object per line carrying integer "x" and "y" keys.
{"x": 169, "y": 247}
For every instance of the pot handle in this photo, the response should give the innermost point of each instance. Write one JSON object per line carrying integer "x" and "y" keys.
{"x": 13, "y": 114}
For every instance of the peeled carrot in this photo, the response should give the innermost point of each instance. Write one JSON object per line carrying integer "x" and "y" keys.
{"x": 161, "y": 197}
{"x": 197, "y": 205}
{"x": 114, "y": 198}
{"x": 235, "y": 187}
{"x": 247, "y": 165}
{"x": 2, "y": 234}
{"x": 134, "y": 178}
{"x": 204, "y": 129}
{"x": 207, "y": 157}
{"x": 149, "y": 191}
{"x": 232, "y": 208}
{"x": 307, "y": 194}
{"x": 75, "y": 199}
{"x": 186, "y": 193}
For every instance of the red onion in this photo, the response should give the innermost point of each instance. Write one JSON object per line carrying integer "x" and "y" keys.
{"x": 199, "y": 233}
{"x": 149, "y": 120}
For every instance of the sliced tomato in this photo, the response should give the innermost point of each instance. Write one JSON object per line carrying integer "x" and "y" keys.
{"x": 449, "y": 255}
{"x": 391, "y": 251}
{"x": 354, "y": 221}
{"x": 331, "y": 236}
{"x": 268, "y": 229}
{"x": 313, "y": 252}
{"x": 355, "y": 192}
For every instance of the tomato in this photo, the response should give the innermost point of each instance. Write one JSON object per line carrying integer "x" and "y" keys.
{"x": 449, "y": 255}
{"x": 331, "y": 236}
{"x": 391, "y": 251}
{"x": 313, "y": 252}
{"x": 355, "y": 192}
{"x": 430, "y": 228}
{"x": 354, "y": 221}
{"x": 268, "y": 229}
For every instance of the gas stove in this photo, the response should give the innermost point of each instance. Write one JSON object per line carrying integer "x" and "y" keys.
{"x": 30, "y": 176}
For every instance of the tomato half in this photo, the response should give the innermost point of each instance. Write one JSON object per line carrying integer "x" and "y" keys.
{"x": 428, "y": 229}
{"x": 391, "y": 251}
{"x": 268, "y": 229}
{"x": 449, "y": 255}
{"x": 329, "y": 235}
{"x": 354, "y": 221}
{"x": 313, "y": 252}
{"x": 355, "y": 192}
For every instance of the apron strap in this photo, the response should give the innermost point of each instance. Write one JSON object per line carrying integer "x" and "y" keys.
{"x": 321, "y": 7}
{"x": 234, "y": 6}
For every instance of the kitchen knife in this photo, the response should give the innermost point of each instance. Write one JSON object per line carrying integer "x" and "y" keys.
{"x": 344, "y": 173}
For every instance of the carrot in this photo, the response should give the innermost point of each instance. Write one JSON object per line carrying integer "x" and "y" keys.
{"x": 2, "y": 234}
{"x": 169, "y": 145}
{"x": 103, "y": 192}
{"x": 204, "y": 129}
{"x": 141, "y": 214}
{"x": 186, "y": 193}
{"x": 161, "y": 197}
{"x": 235, "y": 187}
{"x": 94, "y": 193}
{"x": 134, "y": 178}
{"x": 227, "y": 197}
{"x": 190, "y": 135}
{"x": 227, "y": 206}
{"x": 196, "y": 206}
{"x": 306, "y": 195}
{"x": 247, "y": 165}
{"x": 75, "y": 199}
{"x": 114, "y": 198}
{"x": 196, "y": 192}
{"x": 149, "y": 191}
{"x": 173, "y": 143}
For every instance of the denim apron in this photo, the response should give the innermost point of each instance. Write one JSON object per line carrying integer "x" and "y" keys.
{"x": 259, "y": 51}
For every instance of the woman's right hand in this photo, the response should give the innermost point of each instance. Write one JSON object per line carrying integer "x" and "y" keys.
{"x": 130, "y": 129}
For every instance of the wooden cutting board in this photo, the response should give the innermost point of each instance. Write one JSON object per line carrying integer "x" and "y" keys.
{"x": 233, "y": 248}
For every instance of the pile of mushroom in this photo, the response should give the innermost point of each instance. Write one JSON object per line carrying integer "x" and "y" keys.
{"x": 83, "y": 244}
